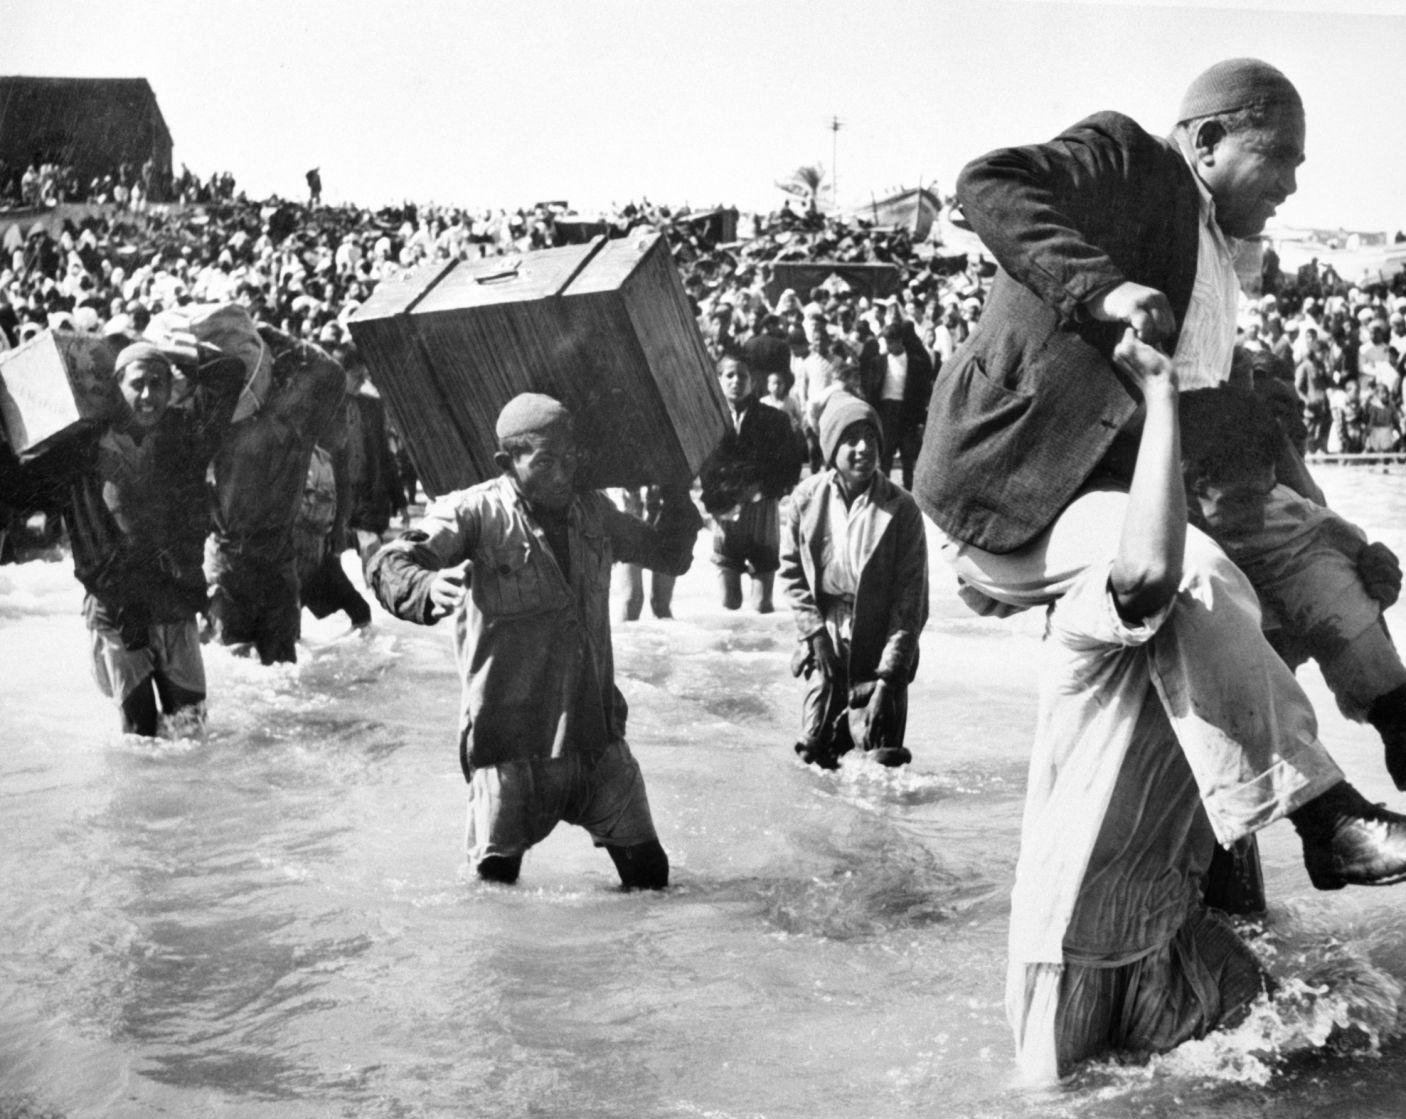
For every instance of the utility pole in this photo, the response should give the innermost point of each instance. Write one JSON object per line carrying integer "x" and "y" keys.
{"x": 834, "y": 124}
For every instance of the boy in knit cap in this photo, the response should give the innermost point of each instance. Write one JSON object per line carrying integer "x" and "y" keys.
{"x": 523, "y": 564}
{"x": 854, "y": 567}
{"x": 132, "y": 494}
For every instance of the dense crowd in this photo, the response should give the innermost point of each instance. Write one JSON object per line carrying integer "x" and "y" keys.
{"x": 306, "y": 269}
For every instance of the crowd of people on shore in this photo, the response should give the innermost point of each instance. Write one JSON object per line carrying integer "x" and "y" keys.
{"x": 1186, "y": 564}
{"x": 1340, "y": 346}
{"x": 46, "y": 182}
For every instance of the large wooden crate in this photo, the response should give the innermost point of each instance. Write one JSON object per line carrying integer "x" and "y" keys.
{"x": 401, "y": 372}
{"x": 52, "y": 382}
{"x": 604, "y": 327}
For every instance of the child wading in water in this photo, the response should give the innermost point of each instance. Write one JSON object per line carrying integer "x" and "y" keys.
{"x": 854, "y": 568}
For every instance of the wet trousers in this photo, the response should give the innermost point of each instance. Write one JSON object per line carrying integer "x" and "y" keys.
{"x": 836, "y": 715}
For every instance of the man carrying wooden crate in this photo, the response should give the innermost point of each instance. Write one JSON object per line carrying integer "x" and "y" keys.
{"x": 523, "y": 563}
{"x": 131, "y": 493}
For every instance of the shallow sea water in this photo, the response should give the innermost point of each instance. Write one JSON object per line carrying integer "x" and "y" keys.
{"x": 273, "y": 919}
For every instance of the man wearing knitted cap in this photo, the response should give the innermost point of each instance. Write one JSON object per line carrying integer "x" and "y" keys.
{"x": 523, "y": 564}
{"x": 132, "y": 495}
{"x": 854, "y": 567}
{"x": 1032, "y": 431}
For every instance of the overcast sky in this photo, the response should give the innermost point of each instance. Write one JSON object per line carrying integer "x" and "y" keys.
{"x": 599, "y": 101}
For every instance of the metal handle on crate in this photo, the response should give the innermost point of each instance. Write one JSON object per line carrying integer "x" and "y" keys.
{"x": 506, "y": 274}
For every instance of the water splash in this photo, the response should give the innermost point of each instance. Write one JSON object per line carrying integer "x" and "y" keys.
{"x": 39, "y": 588}
{"x": 1338, "y": 996}
{"x": 27, "y": 1107}
{"x": 879, "y": 881}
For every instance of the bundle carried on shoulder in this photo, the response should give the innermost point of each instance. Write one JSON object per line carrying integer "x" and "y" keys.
{"x": 54, "y": 383}
{"x": 62, "y": 381}
{"x": 200, "y": 331}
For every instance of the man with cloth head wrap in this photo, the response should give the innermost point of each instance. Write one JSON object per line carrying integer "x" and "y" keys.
{"x": 132, "y": 495}
{"x": 1032, "y": 433}
{"x": 523, "y": 564}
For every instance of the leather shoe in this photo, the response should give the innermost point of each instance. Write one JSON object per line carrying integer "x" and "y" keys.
{"x": 1348, "y": 841}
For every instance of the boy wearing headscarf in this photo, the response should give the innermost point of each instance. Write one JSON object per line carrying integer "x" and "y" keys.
{"x": 523, "y": 564}
{"x": 854, "y": 567}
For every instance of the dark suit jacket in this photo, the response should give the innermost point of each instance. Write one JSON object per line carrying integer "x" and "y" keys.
{"x": 763, "y": 453}
{"x": 916, "y": 389}
{"x": 765, "y": 353}
{"x": 1030, "y": 404}
{"x": 368, "y": 484}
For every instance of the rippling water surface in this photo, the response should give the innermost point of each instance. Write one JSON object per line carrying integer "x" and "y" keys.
{"x": 273, "y": 919}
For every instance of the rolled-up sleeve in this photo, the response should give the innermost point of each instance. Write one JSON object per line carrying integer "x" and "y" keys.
{"x": 400, "y": 574}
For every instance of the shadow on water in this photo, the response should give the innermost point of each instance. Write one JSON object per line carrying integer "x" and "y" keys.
{"x": 866, "y": 901}
{"x": 214, "y": 1002}
{"x": 858, "y": 878}
{"x": 27, "y": 1107}
{"x": 738, "y": 708}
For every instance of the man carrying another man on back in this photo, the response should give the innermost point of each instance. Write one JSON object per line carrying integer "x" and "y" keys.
{"x": 1032, "y": 432}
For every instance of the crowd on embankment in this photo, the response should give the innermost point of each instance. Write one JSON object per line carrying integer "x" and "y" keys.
{"x": 306, "y": 269}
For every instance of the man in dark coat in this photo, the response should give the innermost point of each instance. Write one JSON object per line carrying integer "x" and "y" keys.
{"x": 259, "y": 477}
{"x": 368, "y": 482}
{"x": 900, "y": 383}
{"x": 766, "y": 352}
{"x": 1031, "y": 430}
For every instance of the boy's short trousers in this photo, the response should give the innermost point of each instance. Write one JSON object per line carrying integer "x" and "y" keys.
{"x": 173, "y": 653}
{"x": 1313, "y": 590}
{"x": 515, "y": 805}
{"x": 752, "y": 542}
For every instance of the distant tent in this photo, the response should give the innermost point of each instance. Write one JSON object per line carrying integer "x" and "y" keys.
{"x": 717, "y": 226}
{"x": 90, "y": 124}
{"x": 873, "y": 281}
{"x": 914, "y": 210}
{"x": 576, "y": 230}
